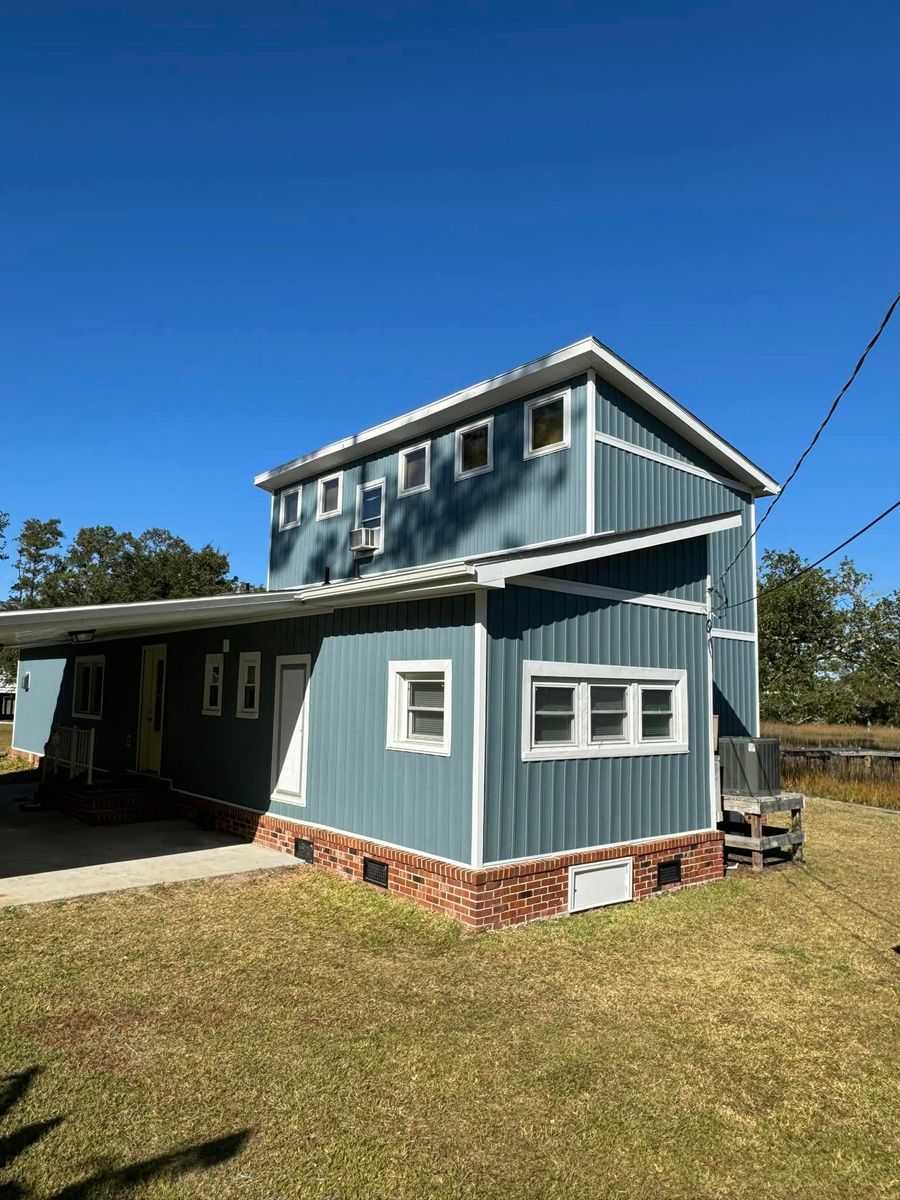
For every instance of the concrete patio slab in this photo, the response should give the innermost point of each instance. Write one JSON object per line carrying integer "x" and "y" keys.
{"x": 46, "y": 855}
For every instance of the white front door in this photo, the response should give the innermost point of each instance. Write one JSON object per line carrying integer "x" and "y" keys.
{"x": 289, "y": 734}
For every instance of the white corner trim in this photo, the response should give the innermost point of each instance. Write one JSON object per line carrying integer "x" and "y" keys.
{"x": 600, "y": 592}
{"x": 458, "y": 472}
{"x": 479, "y": 727}
{"x": 754, "y": 608}
{"x": 398, "y": 671}
{"x": 320, "y": 487}
{"x": 665, "y": 460}
{"x": 401, "y": 456}
{"x": 564, "y": 394}
{"x": 590, "y": 425}
{"x": 535, "y": 672}
{"x": 710, "y": 704}
{"x": 736, "y": 635}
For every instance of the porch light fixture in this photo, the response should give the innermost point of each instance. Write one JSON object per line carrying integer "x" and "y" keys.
{"x": 77, "y": 636}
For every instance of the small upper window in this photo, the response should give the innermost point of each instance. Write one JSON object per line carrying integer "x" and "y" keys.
{"x": 546, "y": 425}
{"x": 87, "y": 700}
{"x": 330, "y": 503}
{"x": 475, "y": 449}
{"x": 419, "y": 706}
{"x": 289, "y": 513}
{"x": 414, "y": 470}
{"x": 370, "y": 505}
{"x": 212, "y": 685}
{"x": 248, "y": 684}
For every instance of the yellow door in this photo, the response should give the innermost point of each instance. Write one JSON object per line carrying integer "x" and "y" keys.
{"x": 153, "y": 687}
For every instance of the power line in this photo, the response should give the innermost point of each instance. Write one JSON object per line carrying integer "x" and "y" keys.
{"x": 832, "y": 410}
{"x": 811, "y": 566}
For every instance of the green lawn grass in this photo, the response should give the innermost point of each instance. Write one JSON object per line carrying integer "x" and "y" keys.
{"x": 736, "y": 1040}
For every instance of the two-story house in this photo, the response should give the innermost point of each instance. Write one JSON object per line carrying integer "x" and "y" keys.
{"x": 490, "y": 663}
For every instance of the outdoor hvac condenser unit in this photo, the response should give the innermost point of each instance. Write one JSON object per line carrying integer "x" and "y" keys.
{"x": 750, "y": 766}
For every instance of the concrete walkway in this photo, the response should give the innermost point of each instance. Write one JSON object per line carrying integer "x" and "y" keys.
{"x": 51, "y": 856}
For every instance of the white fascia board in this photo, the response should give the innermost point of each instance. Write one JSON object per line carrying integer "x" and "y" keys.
{"x": 535, "y": 376}
{"x": 603, "y": 547}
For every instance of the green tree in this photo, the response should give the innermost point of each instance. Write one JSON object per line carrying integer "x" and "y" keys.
{"x": 37, "y": 560}
{"x": 811, "y": 638}
{"x": 4, "y": 525}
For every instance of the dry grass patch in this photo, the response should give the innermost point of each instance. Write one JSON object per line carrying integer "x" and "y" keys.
{"x": 872, "y": 737}
{"x": 732, "y": 1041}
{"x": 880, "y": 793}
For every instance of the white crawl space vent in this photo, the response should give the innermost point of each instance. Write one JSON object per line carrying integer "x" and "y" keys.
{"x": 596, "y": 884}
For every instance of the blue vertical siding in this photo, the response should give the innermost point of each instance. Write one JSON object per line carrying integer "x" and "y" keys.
{"x": 734, "y": 687}
{"x": 637, "y": 493}
{"x": 519, "y": 502}
{"x": 623, "y": 418}
{"x": 534, "y": 808}
{"x": 731, "y": 594}
{"x": 353, "y": 782}
{"x": 677, "y": 570}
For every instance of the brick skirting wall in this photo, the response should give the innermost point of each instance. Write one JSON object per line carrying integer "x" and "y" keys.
{"x": 485, "y": 899}
{"x": 26, "y": 756}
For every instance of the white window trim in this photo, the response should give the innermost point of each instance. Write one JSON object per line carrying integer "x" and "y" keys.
{"x": 422, "y": 487}
{"x": 537, "y": 402}
{"x": 211, "y": 661}
{"x": 320, "y": 488}
{"x": 246, "y": 659}
{"x": 89, "y": 660}
{"x": 536, "y": 673}
{"x": 458, "y": 472}
{"x": 396, "y": 705}
{"x": 298, "y": 491}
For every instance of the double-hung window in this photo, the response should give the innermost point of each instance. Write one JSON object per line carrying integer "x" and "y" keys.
{"x": 547, "y": 425}
{"x": 213, "y": 671}
{"x": 582, "y": 710}
{"x": 289, "y": 508}
{"x": 87, "y": 700}
{"x": 419, "y": 706}
{"x": 474, "y": 449}
{"x": 248, "y": 684}
{"x": 330, "y": 497}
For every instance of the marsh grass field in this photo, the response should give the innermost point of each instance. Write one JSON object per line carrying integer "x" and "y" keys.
{"x": 292, "y": 1035}
{"x": 853, "y": 781}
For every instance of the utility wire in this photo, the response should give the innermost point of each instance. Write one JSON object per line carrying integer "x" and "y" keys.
{"x": 799, "y": 463}
{"x": 811, "y": 566}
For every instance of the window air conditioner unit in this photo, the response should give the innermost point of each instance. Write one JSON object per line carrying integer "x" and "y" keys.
{"x": 365, "y": 541}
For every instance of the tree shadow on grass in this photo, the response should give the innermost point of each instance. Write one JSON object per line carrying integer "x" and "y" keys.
{"x": 110, "y": 1180}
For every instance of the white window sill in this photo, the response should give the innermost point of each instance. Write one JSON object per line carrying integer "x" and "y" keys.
{"x": 425, "y": 487}
{"x": 88, "y": 716}
{"x": 247, "y": 716}
{"x": 557, "y": 753}
{"x": 288, "y": 798}
{"x": 210, "y": 712}
{"x": 471, "y": 474}
{"x": 438, "y": 748}
{"x": 545, "y": 450}
{"x": 326, "y": 516}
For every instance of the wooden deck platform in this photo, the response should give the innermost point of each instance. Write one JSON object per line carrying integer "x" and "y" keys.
{"x": 745, "y": 831}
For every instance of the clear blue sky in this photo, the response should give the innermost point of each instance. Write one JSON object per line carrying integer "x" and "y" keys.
{"x": 232, "y": 233}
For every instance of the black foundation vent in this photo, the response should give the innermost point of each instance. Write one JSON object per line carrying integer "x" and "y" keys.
{"x": 668, "y": 872}
{"x": 375, "y": 872}
{"x": 303, "y": 849}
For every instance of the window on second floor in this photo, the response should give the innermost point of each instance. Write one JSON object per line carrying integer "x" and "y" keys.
{"x": 546, "y": 425}
{"x": 474, "y": 449}
{"x": 289, "y": 508}
{"x": 414, "y": 470}
{"x": 331, "y": 497}
{"x": 370, "y": 505}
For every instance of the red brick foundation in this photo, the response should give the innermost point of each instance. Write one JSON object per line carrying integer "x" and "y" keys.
{"x": 25, "y": 755}
{"x": 485, "y": 899}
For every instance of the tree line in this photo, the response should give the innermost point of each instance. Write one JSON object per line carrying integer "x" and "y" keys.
{"x": 101, "y": 565}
